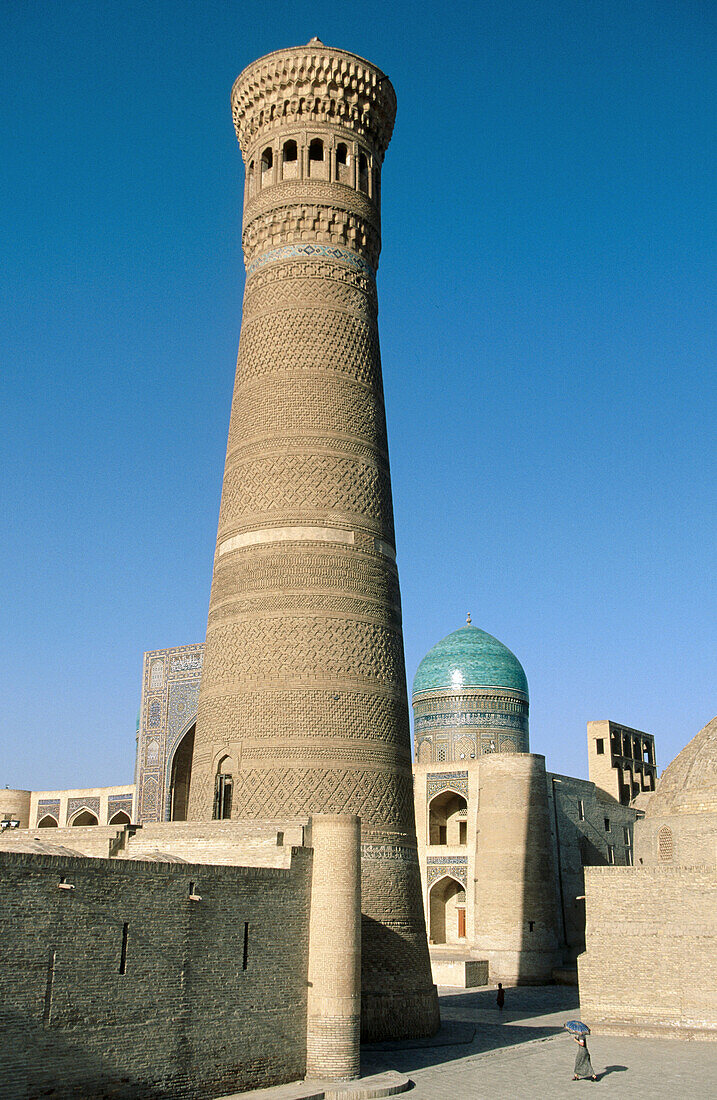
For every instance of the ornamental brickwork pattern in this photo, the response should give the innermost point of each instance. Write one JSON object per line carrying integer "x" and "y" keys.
{"x": 313, "y": 84}
{"x": 294, "y": 341}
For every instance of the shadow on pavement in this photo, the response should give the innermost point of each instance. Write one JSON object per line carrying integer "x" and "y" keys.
{"x": 521, "y": 1003}
{"x": 610, "y": 1069}
{"x": 471, "y": 1024}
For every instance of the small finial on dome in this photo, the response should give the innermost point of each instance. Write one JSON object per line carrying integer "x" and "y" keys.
{"x": 314, "y": 41}
{"x": 468, "y": 619}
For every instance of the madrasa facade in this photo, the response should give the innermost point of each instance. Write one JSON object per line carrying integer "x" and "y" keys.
{"x": 502, "y": 842}
{"x": 283, "y": 879}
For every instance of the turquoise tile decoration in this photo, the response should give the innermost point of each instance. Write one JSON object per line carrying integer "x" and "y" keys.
{"x": 319, "y": 251}
{"x": 469, "y": 658}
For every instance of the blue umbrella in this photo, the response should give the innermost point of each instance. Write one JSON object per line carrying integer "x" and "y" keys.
{"x": 576, "y": 1027}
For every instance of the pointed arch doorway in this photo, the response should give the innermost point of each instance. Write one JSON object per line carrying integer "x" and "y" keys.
{"x": 181, "y": 776}
{"x": 447, "y": 911}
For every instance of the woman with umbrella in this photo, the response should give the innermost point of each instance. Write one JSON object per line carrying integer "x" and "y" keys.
{"x": 583, "y": 1069}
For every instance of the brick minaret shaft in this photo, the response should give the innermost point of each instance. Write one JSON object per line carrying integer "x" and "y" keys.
{"x": 303, "y": 696}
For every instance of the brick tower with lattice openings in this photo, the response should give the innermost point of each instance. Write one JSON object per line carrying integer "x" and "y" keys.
{"x": 303, "y": 705}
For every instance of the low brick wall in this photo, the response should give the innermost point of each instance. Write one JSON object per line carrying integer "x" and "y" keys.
{"x": 651, "y": 961}
{"x": 232, "y": 843}
{"x": 124, "y": 987}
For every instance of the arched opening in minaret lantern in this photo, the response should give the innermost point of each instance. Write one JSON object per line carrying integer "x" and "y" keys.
{"x": 267, "y": 166}
{"x": 448, "y": 819}
{"x": 317, "y": 163}
{"x": 343, "y": 171}
{"x": 363, "y": 172}
{"x": 290, "y": 160}
{"x": 447, "y": 911}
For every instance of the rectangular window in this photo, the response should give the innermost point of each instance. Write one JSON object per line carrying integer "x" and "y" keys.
{"x": 442, "y": 834}
{"x": 611, "y": 853}
{"x": 461, "y": 924}
{"x": 47, "y": 1010}
{"x": 462, "y": 832}
{"x": 245, "y": 953}
{"x": 628, "y": 857}
{"x": 123, "y": 952}
{"x": 600, "y": 746}
{"x": 223, "y": 797}
{"x": 581, "y": 810}
{"x": 607, "y": 824}
{"x": 626, "y": 836}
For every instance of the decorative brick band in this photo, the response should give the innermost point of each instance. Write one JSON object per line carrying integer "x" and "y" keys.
{"x": 389, "y": 851}
{"x": 300, "y": 534}
{"x": 440, "y": 866}
{"x": 290, "y": 251}
{"x": 286, "y": 534}
{"x": 441, "y": 781}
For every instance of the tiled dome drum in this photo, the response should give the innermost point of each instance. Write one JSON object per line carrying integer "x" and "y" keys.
{"x": 470, "y": 696}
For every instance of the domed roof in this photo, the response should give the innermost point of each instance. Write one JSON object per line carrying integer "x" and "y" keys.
{"x": 689, "y": 784}
{"x": 469, "y": 658}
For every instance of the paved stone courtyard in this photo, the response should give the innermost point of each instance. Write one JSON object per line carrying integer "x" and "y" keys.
{"x": 524, "y": 1052}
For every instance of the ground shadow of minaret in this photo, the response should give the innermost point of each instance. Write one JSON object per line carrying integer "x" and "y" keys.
{"x": 471, "y": 1024}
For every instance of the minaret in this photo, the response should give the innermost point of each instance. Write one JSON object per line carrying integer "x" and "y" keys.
{"x": 303, "y": 705}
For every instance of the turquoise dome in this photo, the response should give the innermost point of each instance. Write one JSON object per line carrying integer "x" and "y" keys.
{"x": 469, "y": 658}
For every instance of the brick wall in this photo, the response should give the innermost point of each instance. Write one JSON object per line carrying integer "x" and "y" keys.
{"x": 651, "y": 960}
{"x": 580, "y": 813}
{"x": 196, "y": 1012}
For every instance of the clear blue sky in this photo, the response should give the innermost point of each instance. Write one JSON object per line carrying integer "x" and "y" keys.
{"x": 547, "y": 290}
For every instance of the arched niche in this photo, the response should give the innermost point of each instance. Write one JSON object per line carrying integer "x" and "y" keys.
{"x": 447, "y": 909}
{"x": 425, "y": 751}
{"x": 47, "y": 822}
{"x": 180, "y": 776}
{"x": 120, "y": 818}
{"x": 85, "y": 817}
{"x": 223, "y": 788}
{"x": 447, "y": 822}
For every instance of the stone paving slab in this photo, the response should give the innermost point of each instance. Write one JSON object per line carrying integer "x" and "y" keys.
{"x": 523, "y": 1053}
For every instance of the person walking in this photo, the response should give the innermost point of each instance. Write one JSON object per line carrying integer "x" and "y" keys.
{"x": 500, "y": 998}
{"x": 583, "y": 1068}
